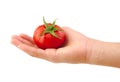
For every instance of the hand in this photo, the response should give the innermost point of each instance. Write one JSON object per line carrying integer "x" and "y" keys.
{"x": 74, "y": 50}
{"x": 77, "y": 49}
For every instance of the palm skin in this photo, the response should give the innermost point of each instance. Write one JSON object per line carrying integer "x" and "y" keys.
{"x": 73, "y": 51}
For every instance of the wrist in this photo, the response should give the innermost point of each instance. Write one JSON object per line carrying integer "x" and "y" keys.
{"x": 93, "y": 51}
{"x": 103, "y": 53}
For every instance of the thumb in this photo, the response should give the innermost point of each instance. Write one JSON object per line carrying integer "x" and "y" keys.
{"x": 70, "y": 33}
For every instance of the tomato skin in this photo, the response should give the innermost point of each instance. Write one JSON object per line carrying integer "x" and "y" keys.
{"x": 47, "y": 40}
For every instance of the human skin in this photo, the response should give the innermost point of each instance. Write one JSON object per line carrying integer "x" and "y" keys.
{"x": 105, "y": 53}
{"x": 77, "y": 49}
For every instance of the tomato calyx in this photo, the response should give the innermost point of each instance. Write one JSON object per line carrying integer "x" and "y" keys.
{"x": 50, "y": 28}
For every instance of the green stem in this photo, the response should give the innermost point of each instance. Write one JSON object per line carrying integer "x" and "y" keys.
{"x": 50, "y": 28}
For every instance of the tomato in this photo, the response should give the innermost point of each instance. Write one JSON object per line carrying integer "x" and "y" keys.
{"x": 49, "y": 35}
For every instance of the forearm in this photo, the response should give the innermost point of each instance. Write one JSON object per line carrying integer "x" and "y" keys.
{"x": 104, "y": 53}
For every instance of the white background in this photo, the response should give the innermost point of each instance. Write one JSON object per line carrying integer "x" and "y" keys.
{"x": 99, "y": 19}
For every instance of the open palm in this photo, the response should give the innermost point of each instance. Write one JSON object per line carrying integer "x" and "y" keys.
{"x": 74, "y": 50}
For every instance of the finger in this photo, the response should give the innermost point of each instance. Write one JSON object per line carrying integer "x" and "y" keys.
{"x": 16, "y": 42}
{"x": 33, "y": 51}
{"x": 14, "y": 36}
{"x": 70, "y": 31}
{"x": 71, "y": 35}
{"x": 26, "y": 37}
{"x": 48, "y": 54}
{"x": 23, "y": 40}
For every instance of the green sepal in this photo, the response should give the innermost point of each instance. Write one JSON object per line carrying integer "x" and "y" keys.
{"x": 50, "y": 28}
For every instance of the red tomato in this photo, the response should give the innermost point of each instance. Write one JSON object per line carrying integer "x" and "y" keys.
{"x": 49, "y": 35}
